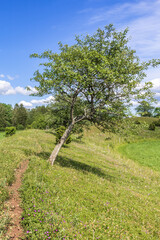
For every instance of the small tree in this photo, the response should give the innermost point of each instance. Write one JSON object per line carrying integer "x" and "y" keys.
{"x": 5, "y": 115}
{"x": 145, "y": 109}
{"x": 19, "y": 115}
{"x": 156, "y": 112}
{"x": 100, "y": 71}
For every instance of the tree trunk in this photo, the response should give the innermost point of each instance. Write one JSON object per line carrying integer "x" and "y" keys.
{"x": 57, "y": 148}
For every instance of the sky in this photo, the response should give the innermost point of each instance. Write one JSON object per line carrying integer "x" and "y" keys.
{"x": 34, "y": 26}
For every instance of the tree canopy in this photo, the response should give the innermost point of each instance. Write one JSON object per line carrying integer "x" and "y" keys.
{"x": 100, "y": 70}
{"x": 145, "y": 109}
{"x": 5, "y": 115}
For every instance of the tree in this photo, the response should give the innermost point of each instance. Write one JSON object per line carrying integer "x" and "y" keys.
{"x": 100, "y": 71}
{"x": 37, "y": 117}
{"x": 19, "y": 115}
{"x": 59, "y": 113}
{"x": 5, "y": 115}
{"x": 145, "y": 109}
{"x": 156, "y": 112}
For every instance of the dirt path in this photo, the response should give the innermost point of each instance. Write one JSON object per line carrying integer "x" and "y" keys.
{"x": 15, "y": 231}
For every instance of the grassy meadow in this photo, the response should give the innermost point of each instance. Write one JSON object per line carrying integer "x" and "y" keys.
{"x": 1, "y": 135}
{"x": 146, "y": 153}
{"x": 90, "y": 193}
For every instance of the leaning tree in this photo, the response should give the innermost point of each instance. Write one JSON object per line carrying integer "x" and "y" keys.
{"x": 100, "y": 71}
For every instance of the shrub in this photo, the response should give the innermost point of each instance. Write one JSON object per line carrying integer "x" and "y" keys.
{"x": 152, "y": 127}
{"x": 34, "y": 125}
{"x": 157, "y": 123}
{"x": 137, "y": 122}
{"x": 59, "y": 133}
{"x": 20, "y": 127}
{"x": 9, "y": 131}
{"x": 39, "y": 124}
{"x": 2, "y": 129}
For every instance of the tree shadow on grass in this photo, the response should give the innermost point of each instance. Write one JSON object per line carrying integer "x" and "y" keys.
{"x": 83, "y": 167}
{"x": 70, "y": 163}
{"x": 50, "y": 132}
{"x": 78, "y": 141}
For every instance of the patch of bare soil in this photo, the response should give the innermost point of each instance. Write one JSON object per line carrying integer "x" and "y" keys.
{"x": 15, "y": 230}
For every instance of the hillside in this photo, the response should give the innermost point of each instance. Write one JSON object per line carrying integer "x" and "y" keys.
{"x": 90, "y": 193}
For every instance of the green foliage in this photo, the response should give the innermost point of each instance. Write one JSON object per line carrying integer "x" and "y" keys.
{"x": 145, "y": 109}
{"x": 157, "y": 123}
{"x": 5, "y": 115}
{"x": 2, "y": 134}
{"x": 9, "y": 131}
{"x": 19, "y": 115}
{"x": 28, "y": 126}
{"x": 137, "y": 122}
{"x": 156, "y": 112}
{"x": 99, "y": 71}
{"x": 20, "y": 127}
{"x": 3, "y": 194}
{"x": 151, "y": 126}
{"x": 59, "y": 133}
{"x": 39, "y": 123}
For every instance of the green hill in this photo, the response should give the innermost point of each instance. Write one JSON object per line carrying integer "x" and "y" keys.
{"x": 89, "y": 193}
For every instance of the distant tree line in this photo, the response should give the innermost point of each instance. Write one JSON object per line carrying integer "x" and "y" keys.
{"x": 53, "y": 115}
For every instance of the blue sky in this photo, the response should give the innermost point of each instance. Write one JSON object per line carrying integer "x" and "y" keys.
{"x": 29, "y": 26}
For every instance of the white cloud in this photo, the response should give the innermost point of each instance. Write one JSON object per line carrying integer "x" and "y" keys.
{"x": 24, "y": 91}
{"x": 43, "y": 101}
{"x": 37, "y": 101}
{"x": 7, "y": 89}
{"x": 142, "y": 18}
{"x": 26, "y": 104}
{"x": 123, "y": 11}
{"x": 2, "y": 76}
{"x": 156, "y": 84}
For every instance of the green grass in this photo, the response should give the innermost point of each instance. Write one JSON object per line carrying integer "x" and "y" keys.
{"x": 1, "y": 135}
{"x": 146, "y": 153}
{"x": 88, "y": 193}
{"x": 12, "y": 152}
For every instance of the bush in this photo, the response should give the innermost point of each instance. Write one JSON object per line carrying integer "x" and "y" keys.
{"x": 157, "y": 123}
{"x": 59, "y": 133}
{"x": 39, "y": 124}
{"x": 137, "y": 122}
{"x": 20, "y": 127}
{"x": 2, "y": 129}
{"x": 9, "y": 131}
{"x": 34, "y": 125}
{"x": 152, "y": 127}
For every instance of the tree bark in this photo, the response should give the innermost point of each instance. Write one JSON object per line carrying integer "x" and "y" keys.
{"x": 57, "y": 148}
